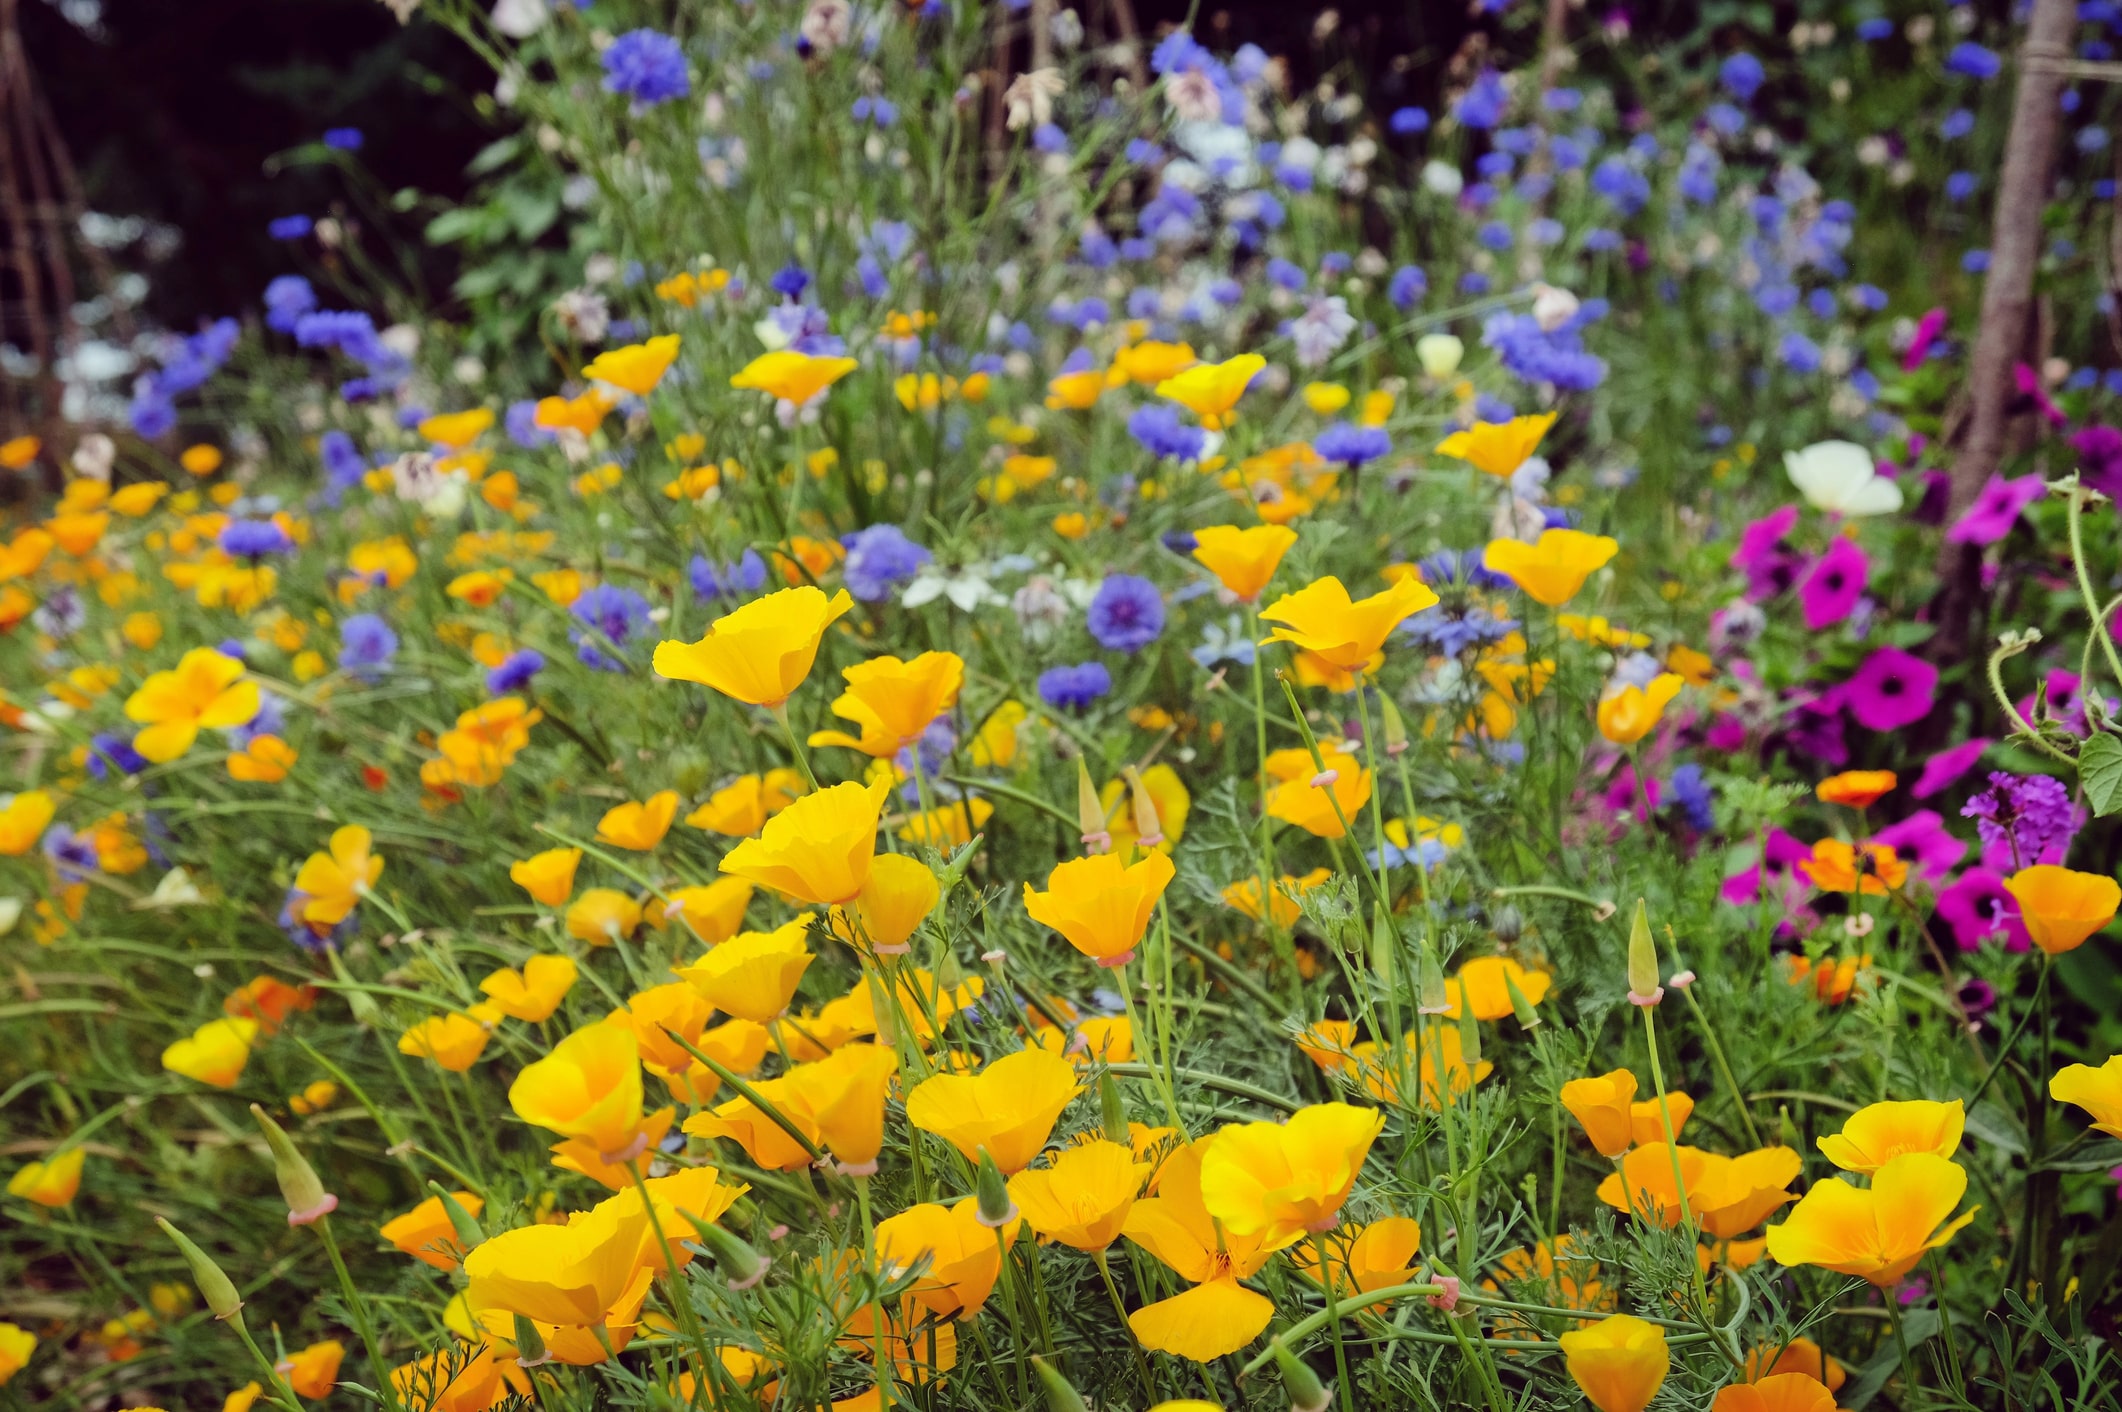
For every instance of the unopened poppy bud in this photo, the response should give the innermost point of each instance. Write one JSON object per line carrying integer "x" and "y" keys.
{"x": 1643, "y": 987}
{"x": 306, "y": 1198}
{"x": 530, "y": 1345}
{"x": 1469, "y": 1036}
{"x": 995, "y": 1209}
{"x": 880, "y": 1004}
{"x": 1393, "y": 730}
{"x": 1506, "y": 924}
{"x": 466, "y": 1225}
{"x": 1306, "y": 1392}
{"x": 1384, "y": 942}
{"x": 1090, "y": 811}
{"x": 1787, "y": 1131}
{"x": 214, "y": 1287}
{"x": 1528, "y": 1018}
{"x": 1061, "y": 1394}
{"x": 1431, "y": 997}
{"x": 1112, "y": 1111}
{"x": 1149, "y": 829}
{"x": 367, "y": 1013}
{"x": 741, "y": 1265}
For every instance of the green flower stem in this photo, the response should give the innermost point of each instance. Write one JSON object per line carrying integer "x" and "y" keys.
{"x": 1160, "y": 1075}
{"x": 2048, "y": 964}
{"x": 795, "y": 747}
{"x": 283, "y": 1392}
{"x": 2085, "y": 582}
{"x": 750, "y": 1095}
{"x": 1112, "y": 1290}
{"x": 1716, "y": 1054}
{"x": 358, "y": 1307}
{"x": 1237, "y": 1088}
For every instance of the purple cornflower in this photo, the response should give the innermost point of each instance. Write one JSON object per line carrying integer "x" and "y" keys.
{"x": 1352, "y": 445}
{"x": 609, "y": 616}
{"x": 878, "y": 558}
{"x": 254, "y": 539}
{"x": 646, "y": 66}
{"x": 1742, "y": 76}
{"x": 343, "y": 139}
{"x": 1074, "y": 688}
{"x": 1891, "y": 690}
{"x": 108, "y": 751}
{"x": 366, "y": 646}
{"x": 1694, "y": 799}
{"x": 288, "y": 298}
{"x": 2022, "y": 815}
{"x": 1830, "y": 592}
{"x": 1126, "y": 614}
{"x": 289, "y": 227}
{"x": 515, "y": 671}
{"x": 746, "y": 575}
{"x": 1971, "y": 60}
{"x": 343, "y": 466}
{"x": 1161, "y": 433}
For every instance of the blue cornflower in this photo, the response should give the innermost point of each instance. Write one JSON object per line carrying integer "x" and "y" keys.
{"x": 1352, "y": 445}
{"x": 1162, "y": 433}
{"x": 1407, "y": 287}
{"x": 72, "y": 854}
{"x": 367, "y": 646}
{"x": 1288, "y": 276}
{"x": 1958, "y": 123}
{"x": 1406, "y": 122}
{"x": 289, "y": 227}
{"x": 343, "y": 466}
{"x": 1959, "y": 186}
{"x": 108, "y": 751}
{"x": 790, "y": 281}
{"x": 254, "y": 539}
{"x": 515, "y": 671}
{"x": 746, "y": 575}
{"x": 878, "y": 558}
{"x": 343, "y": 139}
{"x": 1742, "y": 76}
{"x": 1876, "y": 28}
{"x": 1975, "y": 262}
{"x": 1126, "y": 614}
{"x": 646, "y": 66}
{"x": 1074, "y": 688}
{"x": 1971, "y": 60}
{"x": 1693, "y": 797}
{"x": 287, "y": 299}
{"x": 609, "y": 617}
{"x": 1484, "y": 102}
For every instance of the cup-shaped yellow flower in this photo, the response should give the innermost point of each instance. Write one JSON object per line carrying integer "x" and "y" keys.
{"x": 455, "y": 1041}
{"x": 765, "y": 1141}
{"x": 204, "y": 691}
{"x": 892, "y": 701}
{"x": 1379, "y": 1254}
{"x": 1211, "y": 390}
{"x": 1857, "y": 789}
{"x": 742, "y": 807}
{"x": 791, "y": 376}
{"x": 1873, "y": 1136}
{"x": 816, "y": 852}
{"x": 16, "y": 1346}
{"x": 760, "y": 653}
{"x": 1486, "y": 981}
{"x": 23, "y": 821}
{"x": 2097, "y": 1091}
{"x": 1552, "y": 569}
{"x": 754, "y": 975}
{"x": 1619, "y": 1363}
{"x": 963, "y": 1258}
{"x": 570, "y": 1275}
{"x": 900, "y": 893}
{"x": 603, "y": 915}
{"x": 1100, "y": 904}
{"x": 589, "y": 1087}
{"x": 331, "y": 883}
{"x": 1243, "y": 560}
{"x": 639, "y": 826}
{"x": 1006, "y": 1110}
{"x": 1497, "y": 448}
{"x": 1629, "y": 714}
{"x": 1877, "y": 1234}
{"x": 457, "y": 430}
{"x": 637, "y": 367}
{"x": 1647, "y": 1118}
{"x": 51, "y": 1182}
{"x": 1800, "y": 1355}
{"x": 1778, "y": 1392}
{"x": 1602, "y": 1105}
{"x": 549, "y": 877}
{"x": 2061, "y": 907}
{"x": 1218, "y": 1315}
{"x": 1280, "y": 1182}
{"x": 844, "y": 1095}
{"x": 215, "y": 1053}
{"x": 1728, "y": 1196}
{"x": 1083, "y": 1199}
{"x": 313, "y": 1371}
{"x": 1322, "y": 619}
{"x": 1321, "y": 804}
{"x": 426, "y": 1232}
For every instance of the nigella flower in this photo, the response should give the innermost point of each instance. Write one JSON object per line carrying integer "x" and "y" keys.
{"x": 1830, "y": 592}
{"x": 1162, "y": 433}
{"x": 746, "y": 575}
{"x": 522, "y": 426}
{"x": 270, "y": 720}
{"x": 1126, "y": 614}
{"x": 515, "y": 671}
{"x": 1996, "y": 510}
{"x": 1892, "y": 689}
{"x": 367, "y": 646}
{"x": 610, "y": 617}
{"x": 1352, "y": 445}
{"x": 2022, "y": 816}
{"x": 646, "y": 66}
{"x": 61, "y": 615}
{"x": 254, "y": 539}
{"x": 72, "y": 854}
{"x": 1694, "y": 799}
{"x": 1074, "y": 688}
{"x": 1422, "y": 852}
{"x": 878, "y": 558}
{"x": 935, "y": 744}
{"x": 108, "y": 751}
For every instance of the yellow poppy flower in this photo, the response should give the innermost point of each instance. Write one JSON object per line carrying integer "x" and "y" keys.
{"x": 1619, "y": 1363}
{"x": 1879, "y": 1233}
{"x": 1100, "y": 904}
{"x": 1006, "y": 1110}
{"x": 637, "y": 367}
{"x": 1322, "y": 619}
{"x": 1875, "y": 1135}
{"x": 1553, "y": 568}
{"x": 1497, "y": 448}
{"x": 2061, "y": 907}
{"x": 204, "y": 691}
{"x": 1211, "y": 390}
{"x": 817, "y": 851}
{"x": 791, "y": 376}
{"x": 760, "y": 653}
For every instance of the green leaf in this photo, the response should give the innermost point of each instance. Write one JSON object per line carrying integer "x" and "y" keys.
{"x": 2100, "y": 771}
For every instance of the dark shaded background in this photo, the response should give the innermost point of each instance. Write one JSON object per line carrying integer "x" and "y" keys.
{"x": 175, "y": 110}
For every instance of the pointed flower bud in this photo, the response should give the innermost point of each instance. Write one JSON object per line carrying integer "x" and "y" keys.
{"x": 741, "y": 1265}
{"x": 995, "y": 1209}
{"x": 530, "y": 1345}
{"x": 466, "y": 1225}
{"x": 1393, "y": 729}
{"x": 367, "y": 1013}
{"x": 306, "y": 1198}
{"x": 1528, "y": 1017}
{"x": 1090, "y": 811}
{"x": 1306, "y": 1392}
{"x": 1061, "y": 1394}
{"x": 214, "y": 1287}
{"x": 1384, "y": 943}
{"x": 1112, "y": 1111}
{"x": 1469, "y": 1037}
{"x": 1149, "y": 829}
{"x": 1431, "y": 996}
{"x": 1643, "y": 987}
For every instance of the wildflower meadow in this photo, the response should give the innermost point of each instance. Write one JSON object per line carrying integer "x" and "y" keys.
{"x": 1016, "y": 708}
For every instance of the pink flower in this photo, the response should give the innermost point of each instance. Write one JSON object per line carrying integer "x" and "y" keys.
{"x": 1941, "y": 770}
{"x": 2029, "y": 383}
{"x": 1995, "y": 510}
{"x": 1768, "y": 566}
{"x": 1779, "y": 853}
{"x": 1927, "y": 330}
{"x": 1830, "y": 592}
{"x": 2099, "y": 458}
{"x": 1978, "y": 907}
{"x": 1921, "y": 839}
{"x": 1892, "y": 689}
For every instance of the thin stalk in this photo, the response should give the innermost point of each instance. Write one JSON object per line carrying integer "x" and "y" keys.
{"x": 2048, "y": 964}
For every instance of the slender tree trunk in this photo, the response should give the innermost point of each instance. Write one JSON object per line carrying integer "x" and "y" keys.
{"x": 2007, "y": 306}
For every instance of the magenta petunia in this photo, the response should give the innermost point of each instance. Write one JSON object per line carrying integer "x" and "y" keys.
{"x": 1923, "y": 841}
{"x": 1995, "y": 510}
{"x": 1830, "y": 592}
{"x": 1780, "y": 853}
{"x": 1978, "y": 907}
{"x": 1769, "y": 567}
{"x": 1892, "y": 689}
{"x": 1927, "y": 330}
{"x": 2099, "y": 451}
{"x": 1945, "y": 768}
{"x": 2029, "y": 384}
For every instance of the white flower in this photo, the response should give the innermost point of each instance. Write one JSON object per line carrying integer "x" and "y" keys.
{"x": 1529, "y": 481}
{"x": 403, "y": 9}
{"x": 1041, "y": 609}
{"x": 826, "y": 24}
{"x": 94, "y": 456}
{"x": 520, "y": 19}
{"x": 1030, "y": 97}
{"x": 968, "y": 588}
{"x": 175, "y": 890}
{"x": 10, "y": 913}
{"x": 1193, "y": 98}
{"x": 584, "y": 314}
{"x": 1444, "y": 179}
{"x": 1321, "y": 329}
{"x": 1840, "y": 478}
{"x": 1552, "y": 307}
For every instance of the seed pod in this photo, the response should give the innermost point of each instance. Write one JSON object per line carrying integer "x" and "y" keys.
{"x": 469, "y": 1232}
{"x": 1528, "y": 1018}
{"x": 530, "y": 1345}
